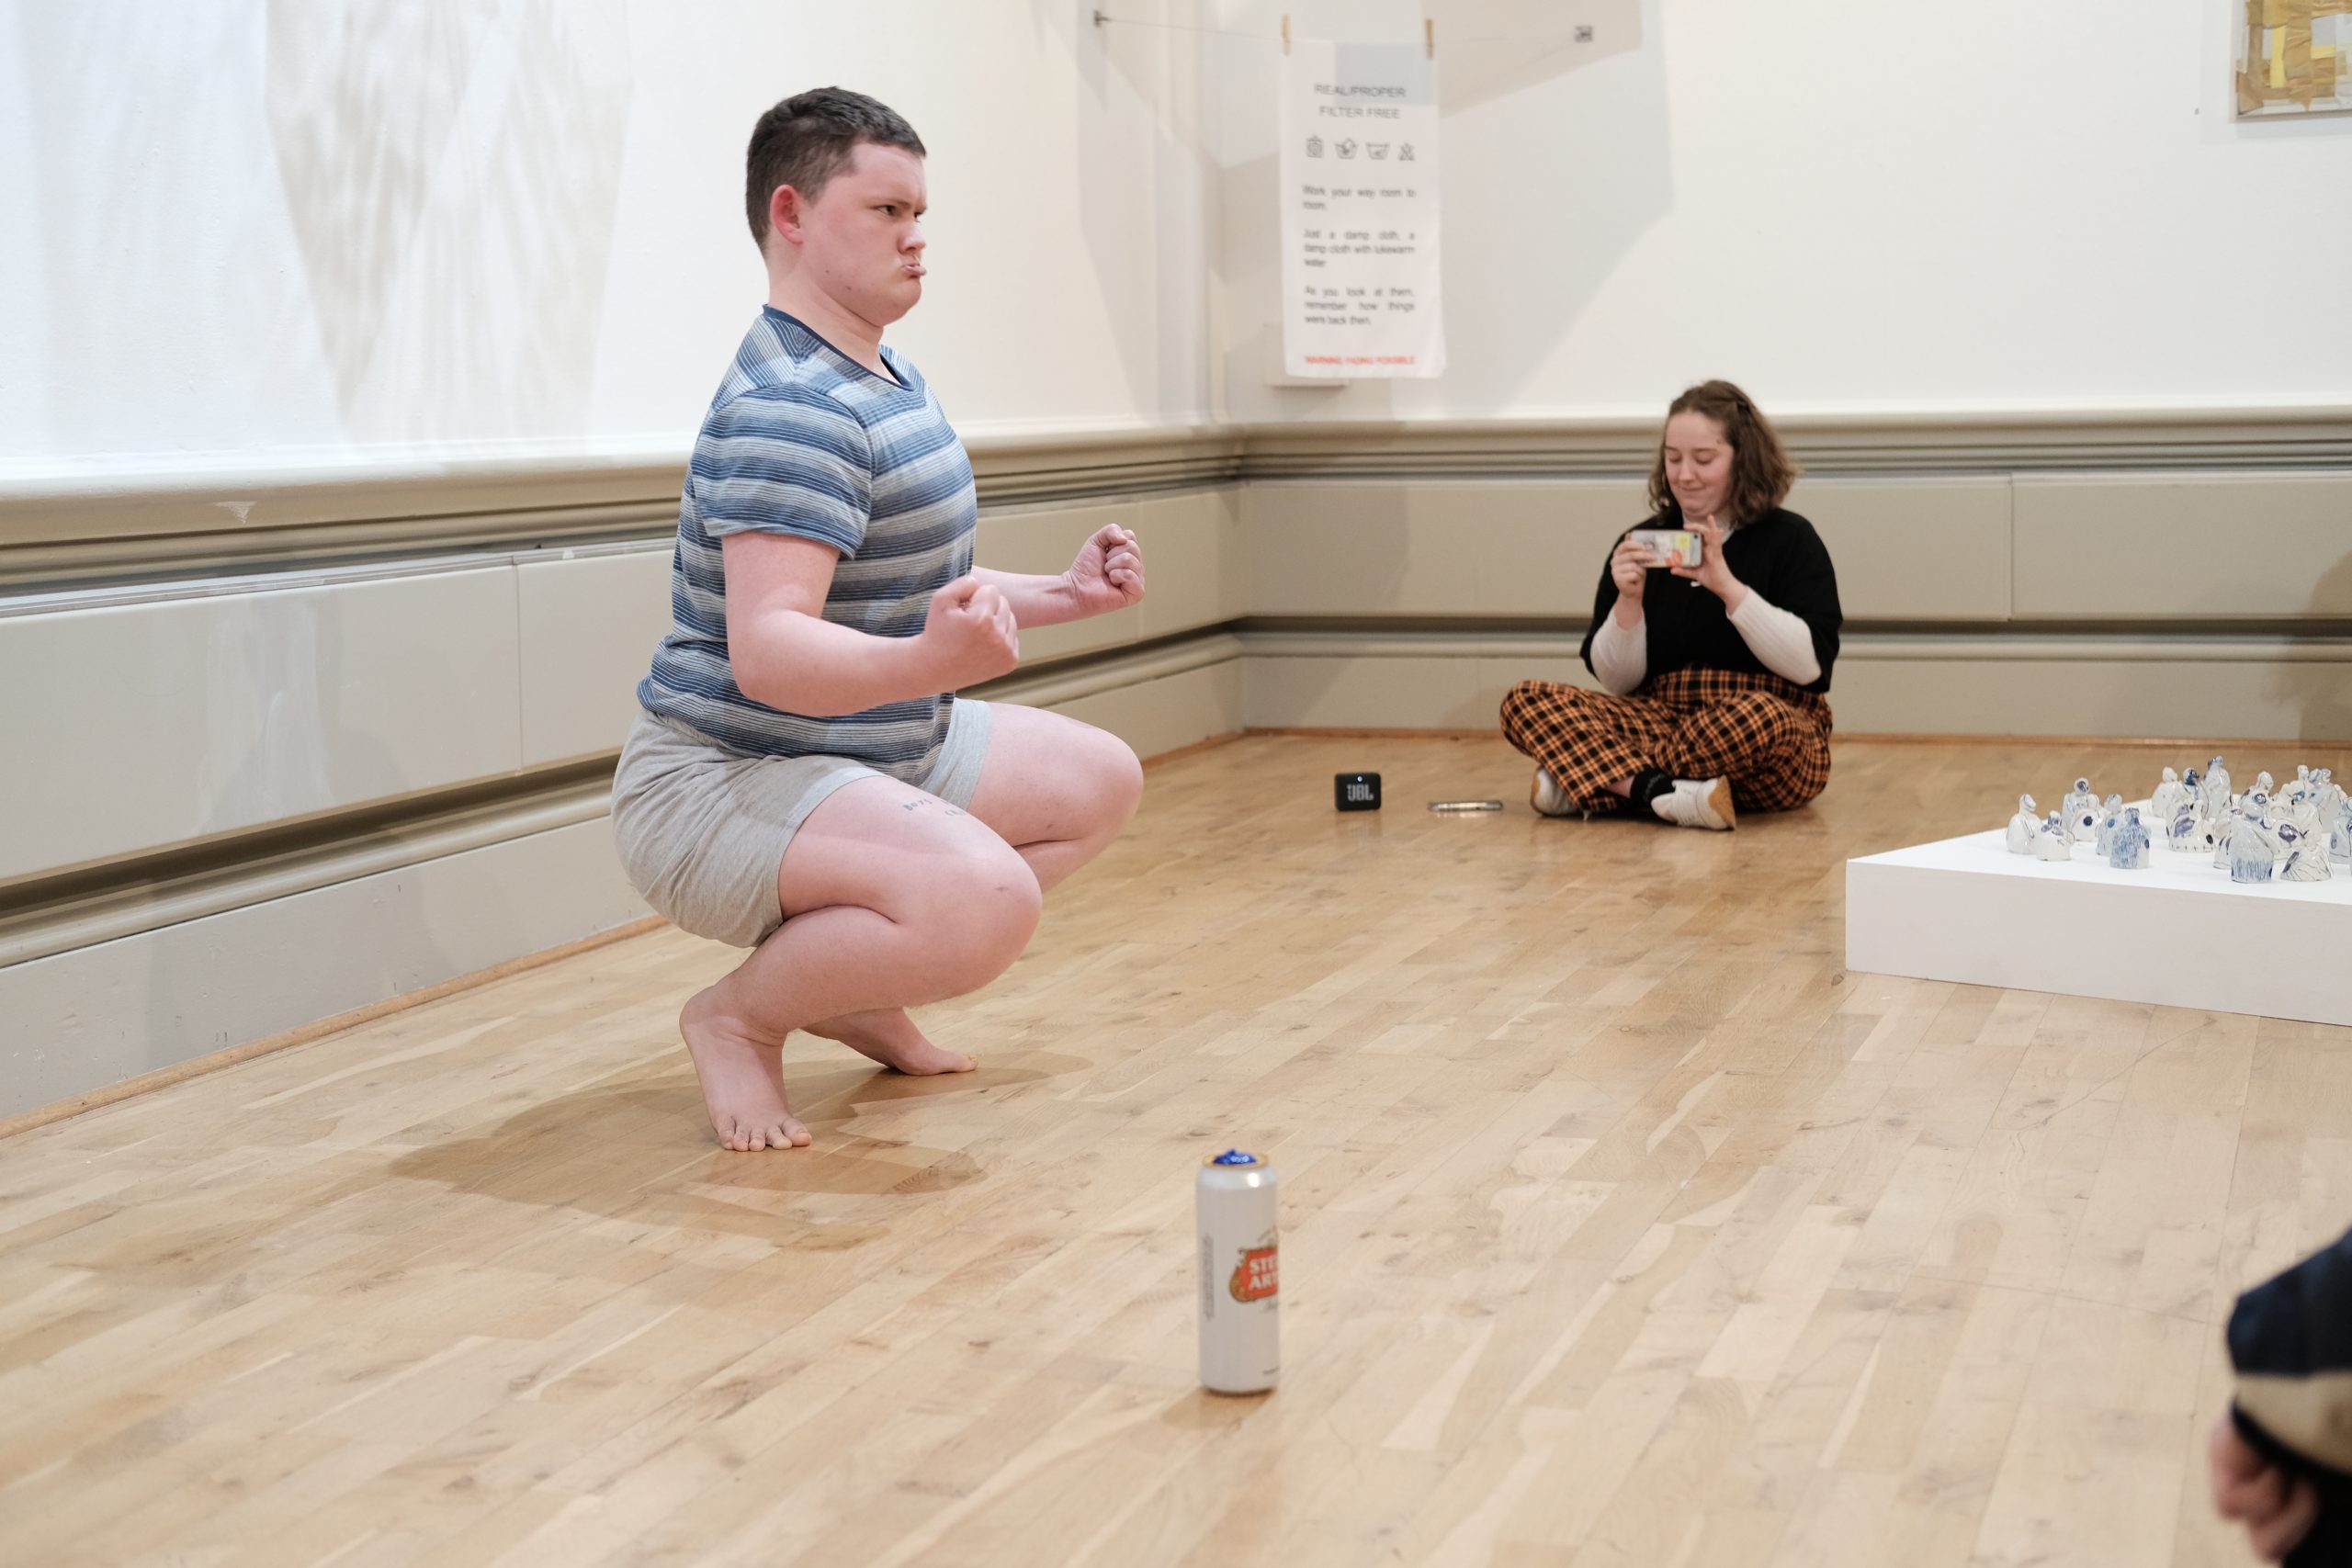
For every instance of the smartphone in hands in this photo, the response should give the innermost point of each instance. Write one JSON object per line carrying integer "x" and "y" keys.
{"x": 1670, "y": 547}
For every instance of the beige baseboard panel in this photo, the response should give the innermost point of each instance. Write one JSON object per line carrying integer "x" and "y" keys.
{"x": 1992, "y": 684}
{"x": 1157, "y": 700}
{"x": 1167, "y": 713}
{"x": 80, "y": 1020}
{"x": 2144, "y": 550}
{"x": 2255, "y": 688}
{"x": 1311, "y": 681}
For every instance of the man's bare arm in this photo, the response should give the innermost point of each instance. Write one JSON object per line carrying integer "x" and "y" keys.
{"x": 785, "y": 654}
{"x": 1106, "y": 576}
{"x": 1035, "y": 601}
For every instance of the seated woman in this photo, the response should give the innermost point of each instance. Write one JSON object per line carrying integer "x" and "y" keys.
{"x": 1714, "y": 682}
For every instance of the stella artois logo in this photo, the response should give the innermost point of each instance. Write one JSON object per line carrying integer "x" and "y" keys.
{"x": 1256, "y": 1278}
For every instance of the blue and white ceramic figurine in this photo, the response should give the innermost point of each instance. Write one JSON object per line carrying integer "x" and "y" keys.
{"x": 2081, "y": 809}
{"x": 2127, "y": 848}
{"x": 2334, "y": 814}
{"x": 2023, "y": 827}
{"x": 2162, "y": 800}
{"x": 2219, "y": 834}
{"x": 2180, "y": 827}
{"x": 2110, "y": 817}
{"x": 2302, "y": 842}
{"x": 2213, "y": 828}
{"x": 2330, "y": 793}
{"x": 2254, "y": 843}
{"x": 2053, "y": 841}
{"x": 2213, "y": 794}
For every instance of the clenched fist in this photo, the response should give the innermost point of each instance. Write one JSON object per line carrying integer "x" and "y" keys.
{"x": 971, "y": 634}
{"x": 1108, "y": 573}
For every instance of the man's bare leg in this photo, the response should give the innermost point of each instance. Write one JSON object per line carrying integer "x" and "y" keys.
{"x": 892, "y": 899}
{"x": 1059, "y": 792}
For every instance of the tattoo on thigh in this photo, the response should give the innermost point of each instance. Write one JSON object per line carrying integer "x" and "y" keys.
{"x": 919, "y": 802}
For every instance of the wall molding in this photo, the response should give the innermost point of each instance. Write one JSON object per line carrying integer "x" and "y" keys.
{"x": 224, "y": 521}
{"x": 106, "y": 903}
{"x": 1824, "y": 443}
{"x": 1858, "y": 643}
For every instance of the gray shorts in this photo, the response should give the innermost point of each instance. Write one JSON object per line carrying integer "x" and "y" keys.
{"x": 702, "y": 829}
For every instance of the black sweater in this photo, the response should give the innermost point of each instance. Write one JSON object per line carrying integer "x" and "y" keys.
{"x": 2290, "y": 1339}
{"x": 1778, "y": 556}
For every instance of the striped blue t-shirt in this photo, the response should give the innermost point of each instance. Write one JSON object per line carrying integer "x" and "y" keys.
{"x": 802, "y": 440}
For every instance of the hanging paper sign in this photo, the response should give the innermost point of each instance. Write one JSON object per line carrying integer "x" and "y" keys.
{"x": 1359, "y": 199}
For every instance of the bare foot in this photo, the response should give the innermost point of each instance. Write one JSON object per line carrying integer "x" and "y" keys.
{"x": 890, "y": 1037}
{"x": 742, "y": 1081}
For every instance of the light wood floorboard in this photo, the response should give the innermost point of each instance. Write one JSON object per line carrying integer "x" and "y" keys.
{"x": 1622, "y": 1225}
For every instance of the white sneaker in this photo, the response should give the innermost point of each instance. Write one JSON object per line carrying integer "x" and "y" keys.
{"x": 1705, "y": 803}
{"x": 1548, "y": 798}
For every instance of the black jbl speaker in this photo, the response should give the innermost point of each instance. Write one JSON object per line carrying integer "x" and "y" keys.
{"x": 1356, "y": 791}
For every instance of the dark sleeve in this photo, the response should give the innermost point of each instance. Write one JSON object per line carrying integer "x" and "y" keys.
{"x": 1806, "y": 585}
{"x": 1604, "y": 599}
{"x": 2290, "y": 1339}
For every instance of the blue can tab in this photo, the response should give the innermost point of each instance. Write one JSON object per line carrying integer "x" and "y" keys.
{"x": 1235, "y": 1157}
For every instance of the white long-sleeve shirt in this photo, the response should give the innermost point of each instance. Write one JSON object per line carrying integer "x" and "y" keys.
{"x": 1781, "y": 642}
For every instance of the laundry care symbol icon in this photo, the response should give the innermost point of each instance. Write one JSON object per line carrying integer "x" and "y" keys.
{"x": 1405, "y": 152}
{"x": 1348, "y": 147}
{"x": 1377, "y": 149}
{"x": 1315, "y": 147}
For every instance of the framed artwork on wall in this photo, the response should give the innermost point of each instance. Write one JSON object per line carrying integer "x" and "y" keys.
{"x": 2294, "y": 57}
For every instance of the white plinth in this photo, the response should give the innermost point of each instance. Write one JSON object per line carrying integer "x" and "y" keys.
{"x": 2177, "y": 934}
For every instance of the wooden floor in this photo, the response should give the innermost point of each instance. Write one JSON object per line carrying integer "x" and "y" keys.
{"x": 1621, "y": 1225}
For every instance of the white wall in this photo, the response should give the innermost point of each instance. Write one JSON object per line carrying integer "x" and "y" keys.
{"x": 312, "y": 232}
{"x": 309, "y": 233}
{"x": 1847, "y": 205}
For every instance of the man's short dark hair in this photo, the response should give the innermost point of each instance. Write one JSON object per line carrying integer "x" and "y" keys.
{"x": 807, "y": 138}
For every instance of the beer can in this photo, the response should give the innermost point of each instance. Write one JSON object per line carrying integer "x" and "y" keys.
{"x": 1240, "y": 1305}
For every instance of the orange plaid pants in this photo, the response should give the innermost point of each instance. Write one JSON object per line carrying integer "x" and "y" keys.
{"x": 1768, "y": 737}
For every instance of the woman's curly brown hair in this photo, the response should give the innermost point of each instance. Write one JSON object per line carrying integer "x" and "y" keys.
{"x": 1762, "y": 472}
